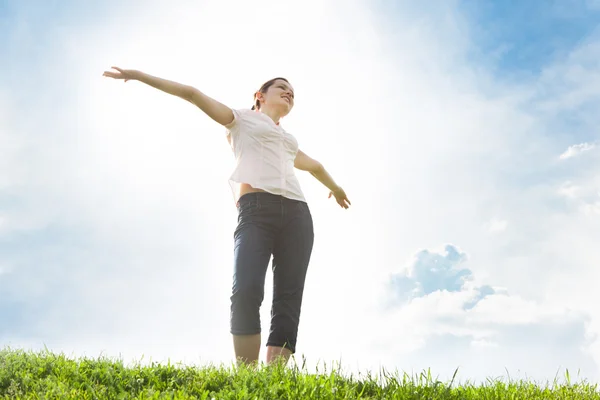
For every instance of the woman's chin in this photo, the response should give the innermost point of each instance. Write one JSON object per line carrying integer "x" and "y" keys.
{"x": 285, "y": 109}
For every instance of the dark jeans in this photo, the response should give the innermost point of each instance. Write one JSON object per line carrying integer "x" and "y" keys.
{"x": 268, "y": 225}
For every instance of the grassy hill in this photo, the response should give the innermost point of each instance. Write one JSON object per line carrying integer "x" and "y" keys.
{"x": 44, "y": 375}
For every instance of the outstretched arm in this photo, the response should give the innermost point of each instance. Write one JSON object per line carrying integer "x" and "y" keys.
{"x": 211, "y": 107}
{"x": 305, "y": 163}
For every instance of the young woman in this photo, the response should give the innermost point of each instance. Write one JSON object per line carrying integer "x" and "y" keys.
{"x": 273, "y": 217}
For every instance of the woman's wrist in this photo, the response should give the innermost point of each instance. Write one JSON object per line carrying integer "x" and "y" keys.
{"x": 136, "y": 75}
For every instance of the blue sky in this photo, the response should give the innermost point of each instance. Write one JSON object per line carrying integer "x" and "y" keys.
{"x": 464, "y": 133}
{"x": 520, "y": 38}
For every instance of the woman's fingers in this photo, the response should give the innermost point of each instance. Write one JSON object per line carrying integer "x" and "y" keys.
{"x": 120, "y": 74}
{"x": 111, "y": 74}
{"x": 341, "y": 199}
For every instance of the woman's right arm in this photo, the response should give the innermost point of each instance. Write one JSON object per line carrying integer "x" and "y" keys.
{"x": 211, "y": 107}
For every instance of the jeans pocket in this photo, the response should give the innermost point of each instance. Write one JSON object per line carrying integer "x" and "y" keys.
{"x": 302, "y": 208}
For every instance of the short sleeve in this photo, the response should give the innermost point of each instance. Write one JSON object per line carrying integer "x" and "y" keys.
{"x": 238, "y": 118}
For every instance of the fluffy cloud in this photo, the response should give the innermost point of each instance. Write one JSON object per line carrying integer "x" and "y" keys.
{"x": 437, "y": 305}
{"x": 577, "y": 149}
{"x": 430, "y": 272}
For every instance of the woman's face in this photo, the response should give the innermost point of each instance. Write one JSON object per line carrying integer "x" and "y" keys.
{"x": 279, "y": 95}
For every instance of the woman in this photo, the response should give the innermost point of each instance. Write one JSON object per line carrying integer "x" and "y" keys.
{"x": 273, "y": 217}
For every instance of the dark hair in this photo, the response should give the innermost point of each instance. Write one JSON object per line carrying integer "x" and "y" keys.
{"x": 263, "y": 89}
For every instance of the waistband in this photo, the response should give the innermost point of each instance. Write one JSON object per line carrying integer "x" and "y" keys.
{"x": 265, "y": 197}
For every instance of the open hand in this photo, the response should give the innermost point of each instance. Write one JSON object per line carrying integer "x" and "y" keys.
{"x": 340, "y": 197}
{"x": 125, "y": 74}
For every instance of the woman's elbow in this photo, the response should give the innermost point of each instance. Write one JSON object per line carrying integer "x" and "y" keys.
{"x": 317, "y": 168}
{"x": 189, "y": 93}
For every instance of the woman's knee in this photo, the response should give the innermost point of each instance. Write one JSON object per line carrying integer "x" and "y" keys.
{"x": 245, "y": 309}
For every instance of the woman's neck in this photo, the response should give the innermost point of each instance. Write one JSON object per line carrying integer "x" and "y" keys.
{"x": 273, "y": 114}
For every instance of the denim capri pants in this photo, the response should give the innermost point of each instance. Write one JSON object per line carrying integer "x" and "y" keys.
{"x": 270, "y": 225}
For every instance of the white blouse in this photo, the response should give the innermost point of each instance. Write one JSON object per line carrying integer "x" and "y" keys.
{"x": 264, "y": 154}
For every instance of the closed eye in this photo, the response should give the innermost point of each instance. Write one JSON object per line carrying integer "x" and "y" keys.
{"x": 285, "y": 88}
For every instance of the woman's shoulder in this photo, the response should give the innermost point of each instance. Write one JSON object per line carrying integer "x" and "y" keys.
{"x": 245, "y": 114}
{"x": 244, "y": 111}
{"x": 239, "y": 115}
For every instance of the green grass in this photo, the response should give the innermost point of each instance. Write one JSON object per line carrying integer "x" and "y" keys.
{"x": 44, "y": 375}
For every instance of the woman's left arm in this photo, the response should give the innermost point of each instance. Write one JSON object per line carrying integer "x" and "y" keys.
{"x": 305, "y": 163}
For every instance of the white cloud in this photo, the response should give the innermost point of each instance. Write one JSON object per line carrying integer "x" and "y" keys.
{"x": 433, "y": 271}
{"x": 459, "y": 320}
{"x": 576, "y": 150}
{"x": 583, "y": 198}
